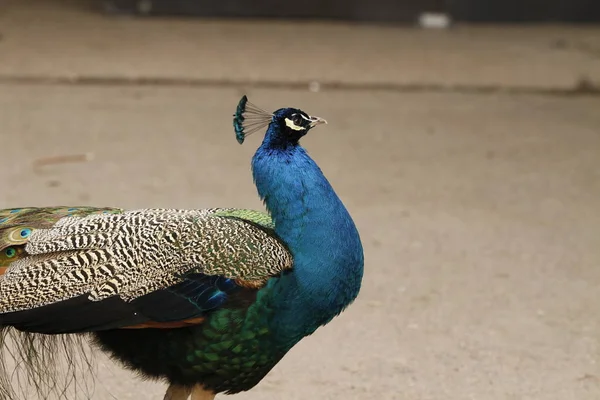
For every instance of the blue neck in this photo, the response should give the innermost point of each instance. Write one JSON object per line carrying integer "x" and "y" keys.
{"x": 313, "y": 222}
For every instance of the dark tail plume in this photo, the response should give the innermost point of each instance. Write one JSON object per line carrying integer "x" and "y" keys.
{"x": 34, "y": 365}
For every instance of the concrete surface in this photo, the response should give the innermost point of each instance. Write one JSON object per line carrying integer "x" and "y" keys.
{"x": 40, "y": 39}
{"x": 479, "y": 212}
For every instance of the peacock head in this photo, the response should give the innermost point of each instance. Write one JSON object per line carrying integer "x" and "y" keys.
{"x": 286, "y": 125}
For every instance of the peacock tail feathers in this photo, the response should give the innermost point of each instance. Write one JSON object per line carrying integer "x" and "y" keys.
{"x": 45, "y": 366}
{"x": 17, "y": 224}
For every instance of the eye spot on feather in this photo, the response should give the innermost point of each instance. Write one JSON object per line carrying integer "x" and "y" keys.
{"x": 25, "y": 233}
{"x": 3, "y": 220}
{"x": 10, "y": 252}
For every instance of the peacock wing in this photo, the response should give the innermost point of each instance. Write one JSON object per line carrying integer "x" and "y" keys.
{"x": 136, "y": 268}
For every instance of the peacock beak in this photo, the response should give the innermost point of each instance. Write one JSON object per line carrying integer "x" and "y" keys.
{"x": 314, "y": 121}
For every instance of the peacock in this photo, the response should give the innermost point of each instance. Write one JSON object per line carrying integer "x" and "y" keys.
{"x": 208, "y": 300}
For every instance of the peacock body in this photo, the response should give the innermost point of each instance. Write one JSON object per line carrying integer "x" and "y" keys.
{"x": 208, "y": 300}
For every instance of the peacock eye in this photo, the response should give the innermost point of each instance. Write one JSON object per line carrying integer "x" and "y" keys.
{"x": 10, "y": 252}
{"x": 25, "y": 233}
{"x": 297, "y": 120}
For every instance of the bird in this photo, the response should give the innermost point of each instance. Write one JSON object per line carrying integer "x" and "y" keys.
{"x": 206, "y": 300}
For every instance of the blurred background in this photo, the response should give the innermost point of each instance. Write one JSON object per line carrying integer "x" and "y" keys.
{"x": 463, "y": 136}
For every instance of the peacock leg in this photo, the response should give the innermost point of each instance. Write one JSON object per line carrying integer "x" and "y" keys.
{"x": 199, "y": 393}
{"x": 177, "y": 392}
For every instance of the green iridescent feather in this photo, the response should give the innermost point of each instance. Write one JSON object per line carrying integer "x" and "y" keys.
{"x": 231, "y": 352}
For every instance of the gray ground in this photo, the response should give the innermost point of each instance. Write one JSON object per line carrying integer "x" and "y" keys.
{"x": 479, "y": 213}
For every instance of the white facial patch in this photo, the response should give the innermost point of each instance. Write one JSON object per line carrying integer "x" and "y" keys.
{"x": 290, "y": 124}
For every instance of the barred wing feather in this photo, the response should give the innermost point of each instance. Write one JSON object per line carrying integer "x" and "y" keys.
{"x": 103, "y": 261}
